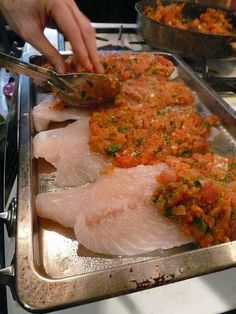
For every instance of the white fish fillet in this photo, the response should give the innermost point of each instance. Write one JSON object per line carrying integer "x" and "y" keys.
{"x": 115, "y": 214}
{"x": 44, "y": 113}
{"x": 67, "y": 150}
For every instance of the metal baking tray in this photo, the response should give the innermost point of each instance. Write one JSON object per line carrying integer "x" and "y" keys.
{"x": 53, "y": 272}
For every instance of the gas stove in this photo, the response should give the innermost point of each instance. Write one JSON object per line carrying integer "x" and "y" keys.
{"x": 216, "y": 291}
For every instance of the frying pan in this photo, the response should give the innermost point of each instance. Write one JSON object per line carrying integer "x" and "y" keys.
{"x": 185, "y": 43}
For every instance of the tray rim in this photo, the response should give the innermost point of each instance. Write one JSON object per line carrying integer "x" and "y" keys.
{"x": 48, "y": 294}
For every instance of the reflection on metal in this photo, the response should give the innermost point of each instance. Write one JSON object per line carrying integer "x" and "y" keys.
{"x": 9, "y": 218}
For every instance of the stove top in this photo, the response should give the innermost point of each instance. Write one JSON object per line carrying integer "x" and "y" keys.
{"x": 115, "y": 37}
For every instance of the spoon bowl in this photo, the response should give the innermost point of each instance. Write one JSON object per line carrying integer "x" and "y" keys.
{"x": 87, "y": 89}
{"x": 75, "y": 89}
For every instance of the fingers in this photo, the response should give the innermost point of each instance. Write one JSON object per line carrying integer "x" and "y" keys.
{"x": 78, "y": 30}
{"x": 88, "y": 35}
{"x": 30, "y": 17}
{"x": 71, "y": 30}
{"x": 38, "y": 40}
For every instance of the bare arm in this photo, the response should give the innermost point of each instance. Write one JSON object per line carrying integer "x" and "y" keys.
{"x": 28, "y": 18}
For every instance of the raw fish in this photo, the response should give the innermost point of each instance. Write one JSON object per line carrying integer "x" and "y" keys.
{"x": 47, "y": 111}
{"x": 67, "y": 150}
{"x": 114, "y": 215}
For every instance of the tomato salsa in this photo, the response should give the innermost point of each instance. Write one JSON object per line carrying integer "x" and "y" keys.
{"x": 150, "y": 120}
{"x": 154, "y": 119}
{"x": 199, "y": 194}
{"x": 213, "y": 21}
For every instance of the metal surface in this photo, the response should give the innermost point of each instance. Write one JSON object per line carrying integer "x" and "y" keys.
{"x": 53, "y": 271}
{"x": 185, "y": 43}
{"x": 9, "y": 218}
{"x": 18, "y": 66}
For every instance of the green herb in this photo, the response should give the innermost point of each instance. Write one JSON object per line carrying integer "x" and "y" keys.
{"x": 113, "y": 149}
{"x": 226, "y": 179}
{"x": 168, "y": 212}
{"x": 165, "y": 138}
{"x": 197, "y": 184}
{"x": 186, "y": 152}
{"x": 161, "y": 113}
{"x": 113, "y": 120}
{"x": 122, "y": 129}
{"x": 201, "y": 224}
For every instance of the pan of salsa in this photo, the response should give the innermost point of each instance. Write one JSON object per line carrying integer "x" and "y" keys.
{"x": 186, "y": 28}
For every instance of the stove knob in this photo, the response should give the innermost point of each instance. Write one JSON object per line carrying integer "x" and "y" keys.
{"x": 7, "y": 278}
{"x": 9, "y": 218}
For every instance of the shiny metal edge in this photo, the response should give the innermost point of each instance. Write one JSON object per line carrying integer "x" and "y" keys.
{"x": 37, "y": 293}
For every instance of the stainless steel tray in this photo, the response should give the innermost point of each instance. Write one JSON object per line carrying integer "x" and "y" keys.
{"x": 52, "y": 273}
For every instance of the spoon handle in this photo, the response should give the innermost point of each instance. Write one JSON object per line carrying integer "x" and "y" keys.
{"x": 16, "y": 65}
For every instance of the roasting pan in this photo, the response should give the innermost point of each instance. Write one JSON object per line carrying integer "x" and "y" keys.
{"x": 184, "y": 43}
{"x": 52, "y": 272}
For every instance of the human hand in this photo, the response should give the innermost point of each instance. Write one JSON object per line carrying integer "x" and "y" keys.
{"x": 29, "y": 18}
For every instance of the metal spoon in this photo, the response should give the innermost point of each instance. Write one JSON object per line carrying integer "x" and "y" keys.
{"x": 192, "y": 11}
{"x": 75, "y": 89}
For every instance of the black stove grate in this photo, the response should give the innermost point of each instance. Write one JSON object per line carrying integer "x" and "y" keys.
{"x": 212, "y": 76}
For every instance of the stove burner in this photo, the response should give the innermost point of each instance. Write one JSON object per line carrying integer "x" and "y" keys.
{"x": 101, "y": 38}
{"x": 222, "y": 84}
{"x": 218, "y": 73}
{"x": 114, "y": 37}
{"x": 113, "y": 48}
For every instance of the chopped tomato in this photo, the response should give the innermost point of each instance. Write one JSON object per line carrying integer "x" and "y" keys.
{"x": 209, "y": 192}
{"x": 125, "y": 161}
{"x": 166, "y": 176}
